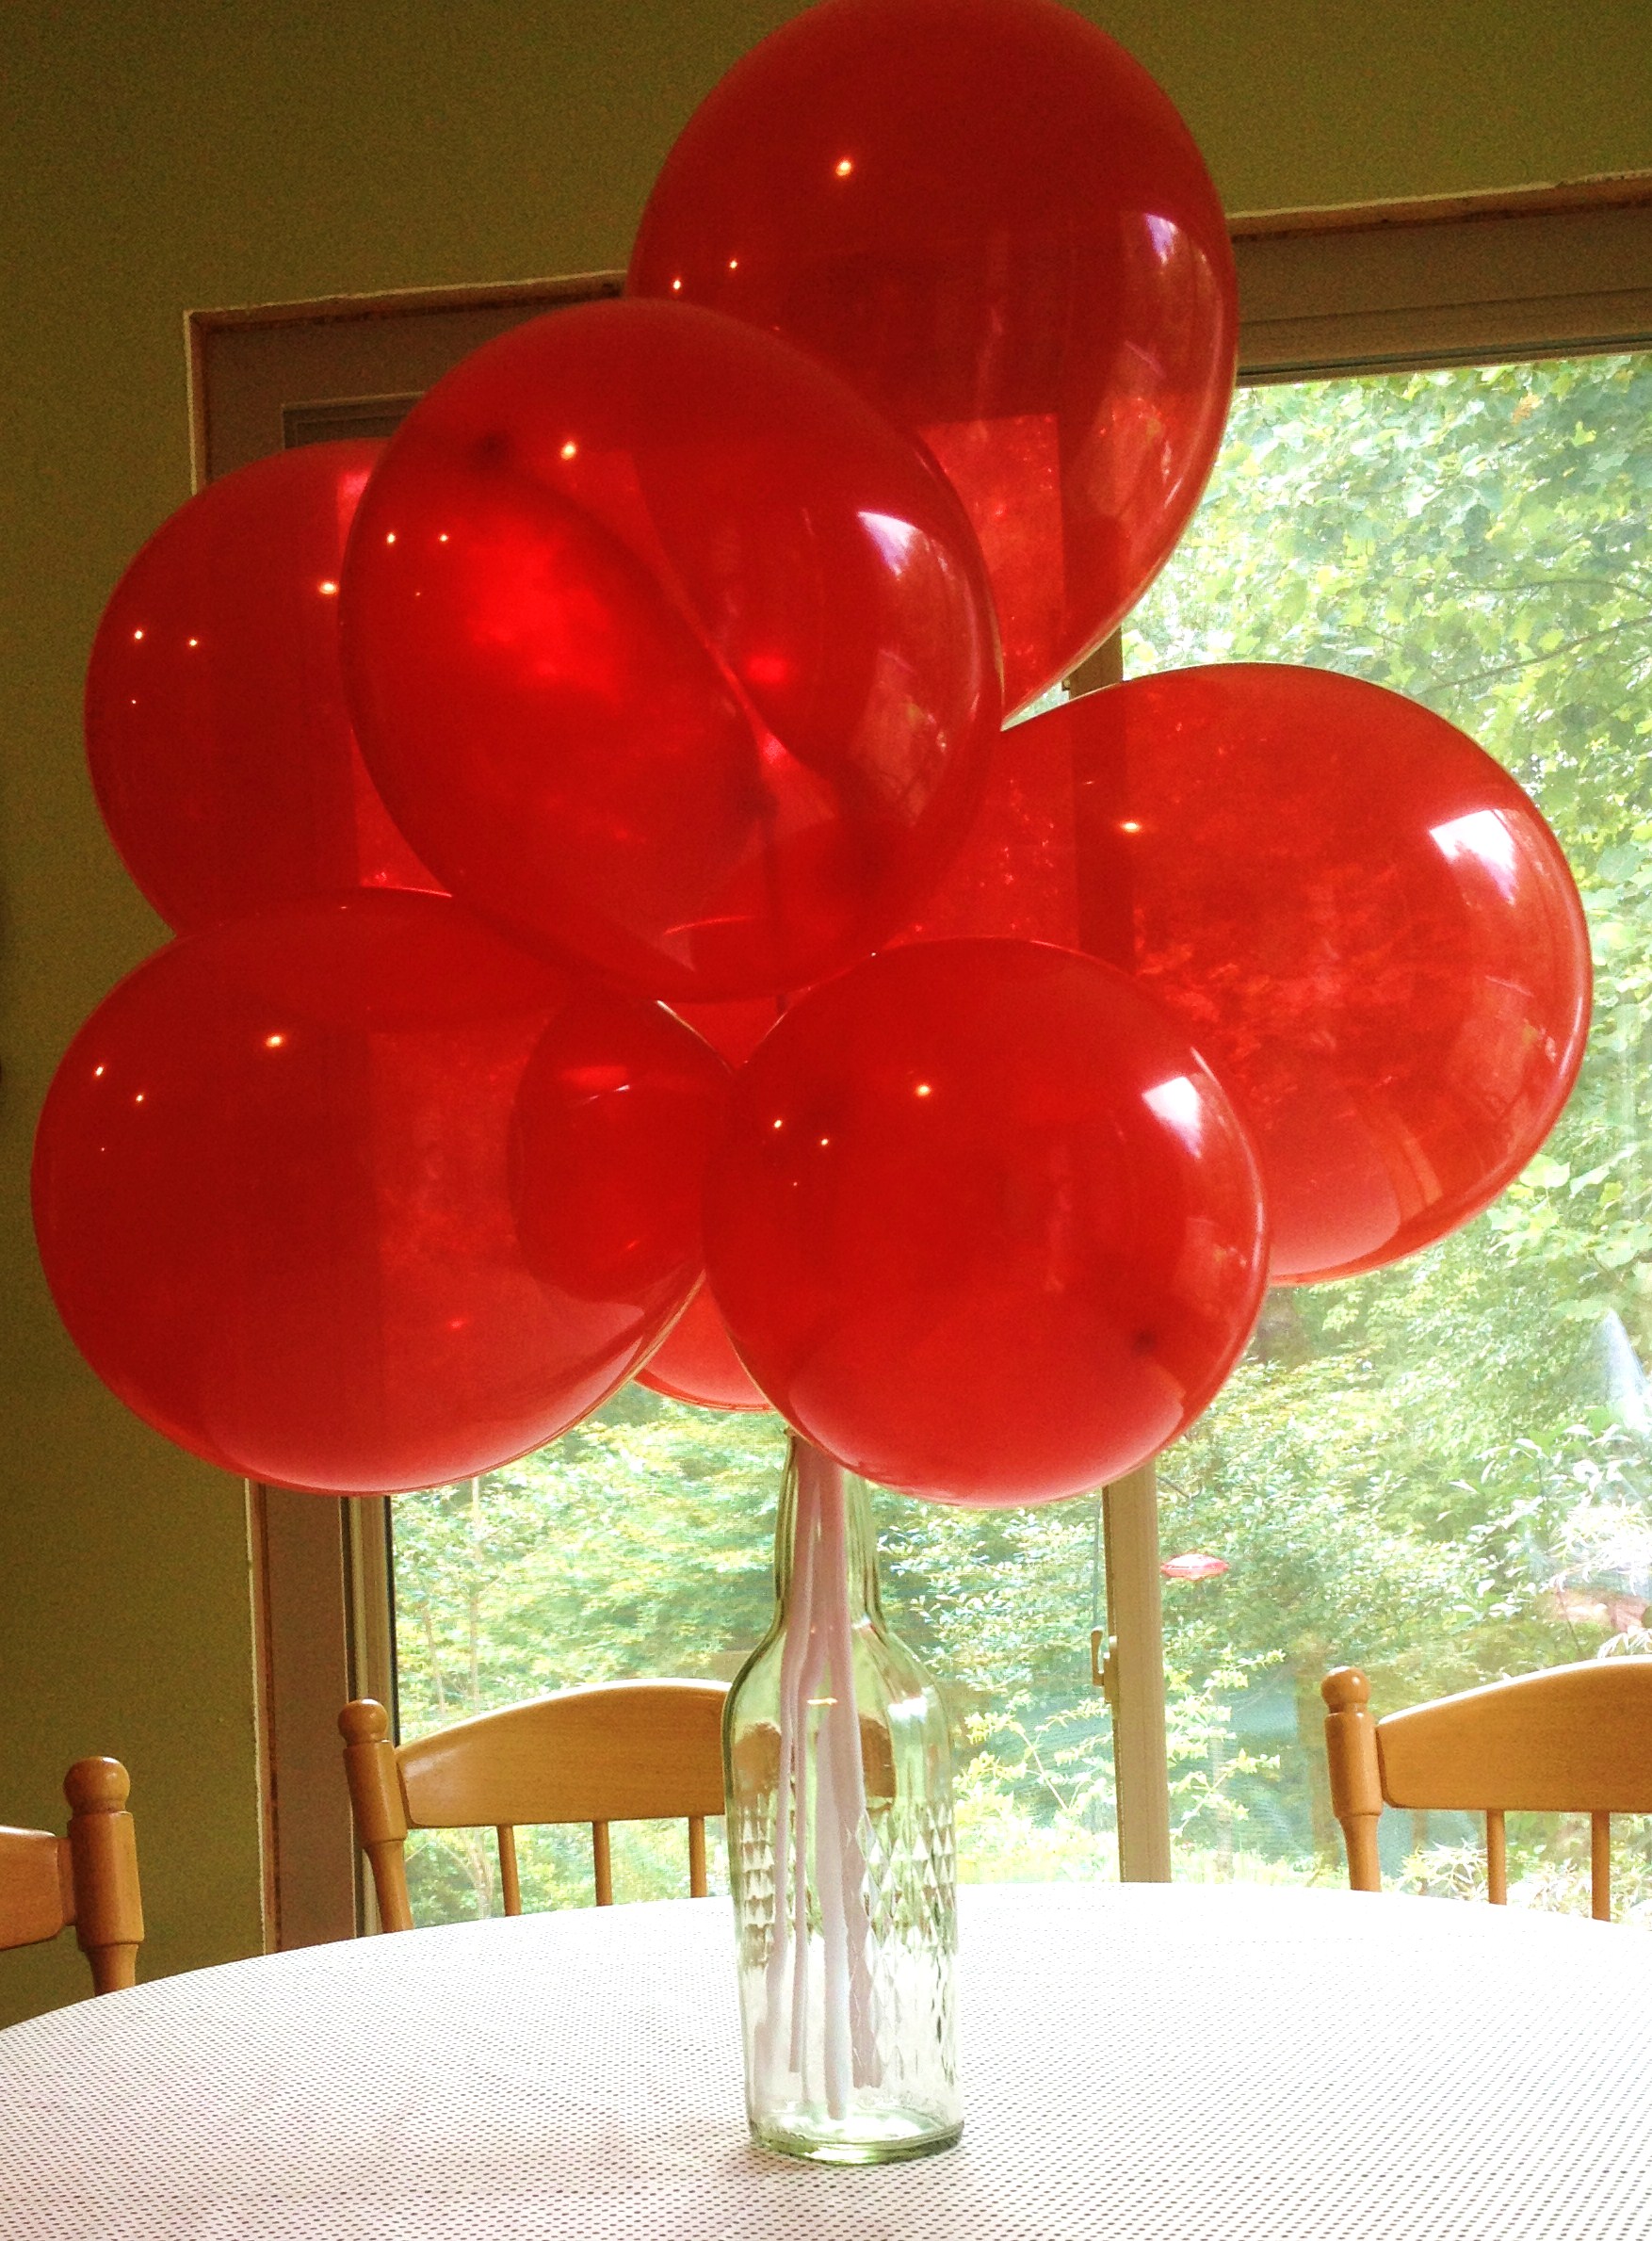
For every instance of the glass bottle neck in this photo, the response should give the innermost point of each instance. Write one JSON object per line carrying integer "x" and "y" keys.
{"x": 825, "y": 1519}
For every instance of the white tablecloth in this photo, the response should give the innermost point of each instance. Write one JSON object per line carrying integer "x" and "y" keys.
{"x": 1163, "y": 2064}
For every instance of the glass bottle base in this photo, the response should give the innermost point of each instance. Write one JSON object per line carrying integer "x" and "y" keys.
{"x": 878, "y": 2136}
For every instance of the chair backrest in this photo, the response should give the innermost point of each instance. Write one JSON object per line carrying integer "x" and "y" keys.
{"x": 86, "y": 1881}
{"x": 1577, "y": 1739}
{"x": 622, "y": 1750}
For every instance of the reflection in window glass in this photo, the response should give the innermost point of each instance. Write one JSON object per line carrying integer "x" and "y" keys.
{"x": 1441, "y": 1472}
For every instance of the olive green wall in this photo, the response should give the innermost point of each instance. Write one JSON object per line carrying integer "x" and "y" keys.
{"x": 167, "y": 154}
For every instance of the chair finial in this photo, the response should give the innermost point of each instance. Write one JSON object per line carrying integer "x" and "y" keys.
{"x": 97, "y": 1786}
{"x": 1346, "y": 1689}
{"x": 365, "y": 1721}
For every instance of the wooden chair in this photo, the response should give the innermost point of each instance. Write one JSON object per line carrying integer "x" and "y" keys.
{"x": 86, "y": 1880}
{"x": 624, "y": 1750}
{"x": 1575, "y": 1740}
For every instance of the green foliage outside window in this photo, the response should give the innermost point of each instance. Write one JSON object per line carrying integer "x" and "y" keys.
{"x": 1441, "y": 1472}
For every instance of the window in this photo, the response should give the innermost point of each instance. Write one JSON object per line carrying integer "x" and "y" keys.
{"x": 1428, "y": 285}
{"x": 641, "y": 1544}
{"x": 1441, "y": 1472}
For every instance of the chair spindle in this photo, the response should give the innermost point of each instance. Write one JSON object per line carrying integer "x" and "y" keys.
{"x": 696, "y": 1884}
{"x": 602, "y": 1864}
{"x": 509, "y": 1881}
{"x": 1496, "y": 1859}
{"x": 1600, "y": 1866}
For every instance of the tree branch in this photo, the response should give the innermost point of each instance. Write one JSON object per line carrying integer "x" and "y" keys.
{"x": 1505, "y": 669}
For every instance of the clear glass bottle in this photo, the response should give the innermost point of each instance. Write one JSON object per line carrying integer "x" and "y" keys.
{"x": 839, "y": 1783}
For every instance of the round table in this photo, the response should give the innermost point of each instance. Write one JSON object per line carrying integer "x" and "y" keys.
{"x": 1166, "y": 2064}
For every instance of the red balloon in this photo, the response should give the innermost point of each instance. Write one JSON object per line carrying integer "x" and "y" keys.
{"x": 695, "y": 1361}
{"x": 668, "y": 653}
{"x": 734, "y": 1030}
{"x": 988, "y": 219}
{"x": 608, "y": 1146}
{"x": 1359, "y": 918}
{"x": 982, "y": 1225}
{"x": 1016, "y": 874}
{"x": 220, "y": 749}
{"x": 353, "y": 1197}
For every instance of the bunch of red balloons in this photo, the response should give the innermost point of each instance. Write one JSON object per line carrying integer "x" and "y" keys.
{"x": 662, "y": 659}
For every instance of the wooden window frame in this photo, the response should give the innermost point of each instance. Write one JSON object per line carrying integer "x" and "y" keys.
{"x": 1458, "y": 279}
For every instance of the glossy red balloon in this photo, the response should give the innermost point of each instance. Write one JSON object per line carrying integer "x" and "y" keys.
{"x": 220, "y": 749}
{"x": 734, "y": 1030}
{"x": 990, "y": 218}
{"x": 668, "y": 653}
{"x": 1015, "y": 875}
{"x": 1359, "y": 918}
{"x": 981, "y": 1222}
{"x": 695, "y": 1361}
{"x": 609, "y": 1138}
{"x": 353, "y": 1197}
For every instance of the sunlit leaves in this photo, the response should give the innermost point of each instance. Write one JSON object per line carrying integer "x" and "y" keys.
{"x": 1400, "y": 1475}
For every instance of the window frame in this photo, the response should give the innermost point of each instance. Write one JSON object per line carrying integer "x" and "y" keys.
{"x": 1447, "y": 281}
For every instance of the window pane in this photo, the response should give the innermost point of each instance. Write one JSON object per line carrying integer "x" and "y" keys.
{"x": 641, "y": 1544}
{"x": 1440, "y": 1472}
{"x": 637, "y": 1545}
